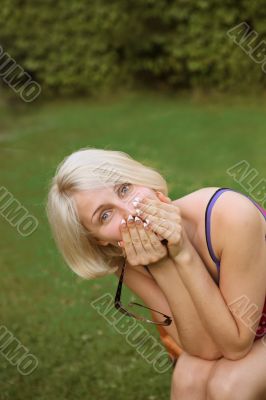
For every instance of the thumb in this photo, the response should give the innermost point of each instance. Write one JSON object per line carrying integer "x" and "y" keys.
{"x": 163, "y": 198}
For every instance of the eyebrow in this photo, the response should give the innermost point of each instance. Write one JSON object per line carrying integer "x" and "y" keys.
{"x": 97, "y": 209}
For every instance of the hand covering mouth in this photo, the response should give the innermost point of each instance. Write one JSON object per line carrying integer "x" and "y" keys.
{"x": 157, "y": 234}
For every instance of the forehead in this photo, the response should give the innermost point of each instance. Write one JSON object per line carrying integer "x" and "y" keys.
{"x": 89, "y": 199}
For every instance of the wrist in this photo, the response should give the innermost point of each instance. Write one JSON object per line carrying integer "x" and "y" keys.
{"x": 162, "y": 268}
{"x": 185, "y": 256}
{"x": 162, "y": 263}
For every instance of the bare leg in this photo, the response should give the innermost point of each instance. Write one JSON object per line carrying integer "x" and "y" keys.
{"x": 243, "y": 379}
{"x": 190, "y": 378}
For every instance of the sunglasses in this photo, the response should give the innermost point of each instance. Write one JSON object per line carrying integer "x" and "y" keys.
{"x": 119, "y": 306}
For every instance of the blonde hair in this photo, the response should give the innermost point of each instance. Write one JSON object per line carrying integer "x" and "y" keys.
{"x": 91, "y": 168}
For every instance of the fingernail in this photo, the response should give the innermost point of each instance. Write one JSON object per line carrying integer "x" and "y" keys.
{"x": 148, "y": 223}
{"x": 130, "y": 218}
{"x": 145, "y": 225}
{"x": 138, "y": 220}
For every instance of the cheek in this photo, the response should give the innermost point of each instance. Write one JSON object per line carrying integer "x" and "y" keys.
{"x": 111, "y": 231}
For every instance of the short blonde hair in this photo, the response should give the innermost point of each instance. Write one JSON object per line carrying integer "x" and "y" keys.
{"x": 91, "y": 168}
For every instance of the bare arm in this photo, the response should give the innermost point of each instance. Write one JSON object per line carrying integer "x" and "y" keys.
{"x": 143, "y": 285}
{"x": 243, "y": 256}
{"x": 242, "y": 276}
{"x": 194, "y": 336}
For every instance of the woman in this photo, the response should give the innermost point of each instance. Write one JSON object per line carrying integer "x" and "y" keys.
{"x": 210, "y": 279}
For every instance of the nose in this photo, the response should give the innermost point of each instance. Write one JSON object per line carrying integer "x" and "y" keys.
{"x": 128, "y": 209}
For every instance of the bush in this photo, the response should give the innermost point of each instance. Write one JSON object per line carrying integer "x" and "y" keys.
{"x": 84, "y": 46}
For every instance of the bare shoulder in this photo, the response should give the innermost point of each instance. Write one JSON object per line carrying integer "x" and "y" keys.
{"x": 234, "y": 208}
{"x": 199, "y": 197}
{"x": 231, "y": 203}
{"x": 231, "y": 206}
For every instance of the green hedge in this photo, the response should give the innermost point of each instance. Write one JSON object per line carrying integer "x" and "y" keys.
{"x": 85, "y": 46}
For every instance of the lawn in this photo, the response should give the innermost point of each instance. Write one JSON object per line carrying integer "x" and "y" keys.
{"x": 45, "y": 306}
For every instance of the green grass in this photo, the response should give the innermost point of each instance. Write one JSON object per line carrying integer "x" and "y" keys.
{"x": 192, "y": 142}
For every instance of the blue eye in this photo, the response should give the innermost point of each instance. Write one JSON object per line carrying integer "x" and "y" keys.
{"x": 101, "y": 217}
{"x": 122, "y": 192}
{"x": 125, "y": 185}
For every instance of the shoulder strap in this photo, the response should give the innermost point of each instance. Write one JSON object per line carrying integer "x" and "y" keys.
{"x": 208, "y": 224}
{"x": 208, "y": 220}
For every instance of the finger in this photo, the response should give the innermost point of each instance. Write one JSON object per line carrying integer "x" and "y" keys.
{"x": 150, "y": 209}
{"x": 159, "y": 236}
{"x": 135, "y": 237}
{"x": 151, "y": 249}
{"x": 155, "y": 242}
{"x": 151, "y": 242}
{"x": 150, "y": 212}
{"x": 144, "y": 237}
{"x": 155, "y": 207}
{"x": 157, "y": 202}
{"x": 163, "y": 197}
{"x": 163, "y": 227}
{"x": 128, "y": 245}
{"x": 166, "y": 205}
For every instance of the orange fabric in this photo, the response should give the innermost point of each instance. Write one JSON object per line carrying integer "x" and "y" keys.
{"x": 173, "y": 349}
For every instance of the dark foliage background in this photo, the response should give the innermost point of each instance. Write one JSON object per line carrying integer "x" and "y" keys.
{"x": 84, "y": 47}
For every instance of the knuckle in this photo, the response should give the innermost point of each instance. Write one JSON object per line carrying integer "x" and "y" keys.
{"x": 168, "y": 235}
{"x": 157, "y": 245}
{"x": 179, "y": 228}
{"x": 130, "y": 260}
{"x": 153, "y": 210}
{"x": 136, "y": 241}
{"x": 145, "y": 241}
{"x": 164, "y": 229}
{"x": 175, "y": 238}
{"x": 133, "y": 261}
{"x": 161, "y": 224}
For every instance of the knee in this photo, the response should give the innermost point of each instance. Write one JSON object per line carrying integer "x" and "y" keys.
{"x": 223, "y": 386}
{"x": 188, "y": 378}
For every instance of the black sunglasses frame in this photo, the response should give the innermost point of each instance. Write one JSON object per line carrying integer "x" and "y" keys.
{"x": 119, "y": 306}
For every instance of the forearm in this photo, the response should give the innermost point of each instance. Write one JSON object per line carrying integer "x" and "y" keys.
{"x": 211, "y": 307}
{"x": 193, "y": 335}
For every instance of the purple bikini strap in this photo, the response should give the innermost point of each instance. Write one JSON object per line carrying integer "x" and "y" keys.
{"x": 208, "y": 220}
{"x": 208, "y": 223}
